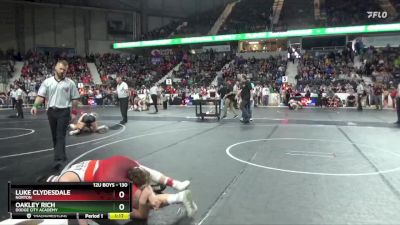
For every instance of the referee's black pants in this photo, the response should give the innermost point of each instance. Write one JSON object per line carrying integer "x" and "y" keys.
{"x": 398, "y": 109}
{"x": 59, "y": 121}
{"x": 359, "y": 102}
{"x": 19, "y": 108}
{"x": 13, "y": 101}
{"x": 123, "y": 105}
{"x": 154, "y": 99}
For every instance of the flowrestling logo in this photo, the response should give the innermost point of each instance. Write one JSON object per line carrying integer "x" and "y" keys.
{"x": 377, "y": 14}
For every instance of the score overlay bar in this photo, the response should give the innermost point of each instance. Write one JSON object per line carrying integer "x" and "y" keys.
{"x": 66, "y": 200}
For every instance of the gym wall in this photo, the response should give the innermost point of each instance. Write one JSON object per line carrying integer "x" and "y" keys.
{"x": 24, "y": 27}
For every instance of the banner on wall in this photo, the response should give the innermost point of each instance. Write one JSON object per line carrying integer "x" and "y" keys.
{"x": 162, "y": 52}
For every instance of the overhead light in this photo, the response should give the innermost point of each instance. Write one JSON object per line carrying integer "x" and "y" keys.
{"x": 253, "y": 42}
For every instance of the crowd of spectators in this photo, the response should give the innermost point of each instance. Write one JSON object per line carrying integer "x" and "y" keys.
{"x": 297, "y": 14}
{"x": 348, "y": 13}
{"x": 136, "y": 71}
{"x": 396, "y": 5}
{"x": 327, "y": 72}
{"x": 254, "y": 15}
{"x": 324, "y": 72}
{"x": 199, "y": 24}
{"x": 161, "y": 32}
{"x": 98, "y": 95}
{"x": 334, "y": 72}
{"x": 202, "y": 68}
{"x": 39, "y": 66}
{"x": 7, "y": 62}
{"x": 248, "y": 16}
{"x": 383, "y": 64}
{"x": 264, "y": 74}
{"x": 316, "y": 66}
{"x": 195, "y": 25}
{"x": 262, "y": 71}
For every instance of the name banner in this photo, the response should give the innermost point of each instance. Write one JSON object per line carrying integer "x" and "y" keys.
{"x": 68, "y": 200}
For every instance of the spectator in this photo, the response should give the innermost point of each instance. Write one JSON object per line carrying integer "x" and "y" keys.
{"x": 351, "y": 100}
{"x": 398, "y": 103}
{"x": 360, "y": 94}
{"x": 265, "y": 95}
{"x": 393, "y": 95}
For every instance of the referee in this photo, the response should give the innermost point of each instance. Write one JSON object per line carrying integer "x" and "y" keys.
{"x": 154, "y": 96}
{"x": 12, "y": 96}
{"x": 19, "y": 95}
{"x": 61, "y": 94}
{"x": 123, "y": 96}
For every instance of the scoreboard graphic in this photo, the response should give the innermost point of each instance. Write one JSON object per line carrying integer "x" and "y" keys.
{"x": 70, "y": 201}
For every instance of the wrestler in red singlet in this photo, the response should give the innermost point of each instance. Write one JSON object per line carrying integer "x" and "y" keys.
{"x": 114, "y": 169}
{"x": 123, "y": 169}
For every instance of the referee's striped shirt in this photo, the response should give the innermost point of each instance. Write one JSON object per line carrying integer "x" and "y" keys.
{"x": 59, "y": 94}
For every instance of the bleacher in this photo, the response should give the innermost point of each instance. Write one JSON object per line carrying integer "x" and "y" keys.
{"x": 197, "y": 25}
{"x": 348, "y": 13}
{"x": 201, "y": 69}
{"x": 136, "y": 70}
{"x": 248, "y": 16}
{"x": 297, "y": 14}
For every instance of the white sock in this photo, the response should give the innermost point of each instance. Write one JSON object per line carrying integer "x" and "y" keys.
{"x": 180, "y": 185}
{"x": 73, "y": 132}
{"x": 175, "y": 198}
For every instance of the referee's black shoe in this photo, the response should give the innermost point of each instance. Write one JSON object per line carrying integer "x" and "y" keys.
{"x": 122, "y": 122}
{"x": 59, "y": 165}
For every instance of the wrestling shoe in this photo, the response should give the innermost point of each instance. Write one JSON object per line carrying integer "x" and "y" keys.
{"x": 102, "y": 129}
{"x": 191, "y": 207}
{"x": 73, "y": 132}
